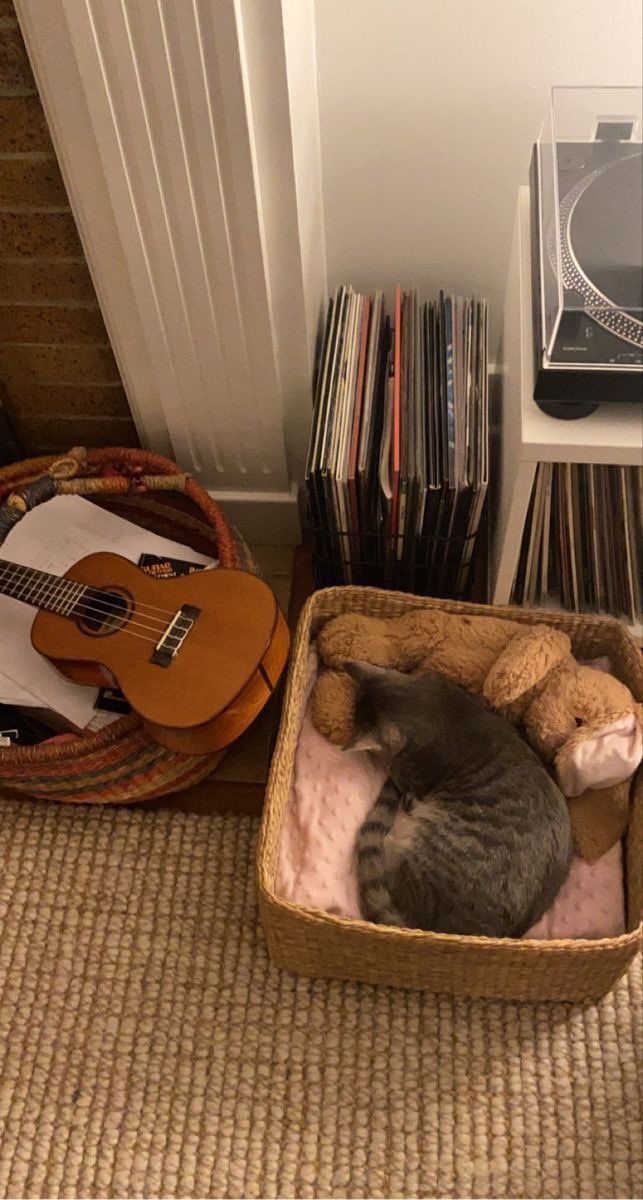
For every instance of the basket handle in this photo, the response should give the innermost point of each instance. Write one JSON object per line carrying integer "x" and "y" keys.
{"x": 121, "y": 470}
{"x": 42, "y": 488}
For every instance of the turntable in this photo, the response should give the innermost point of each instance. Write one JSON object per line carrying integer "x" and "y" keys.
{"x": 586, "y": 188}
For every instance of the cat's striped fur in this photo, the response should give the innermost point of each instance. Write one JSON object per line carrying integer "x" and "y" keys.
{"x": 469, "y": 834}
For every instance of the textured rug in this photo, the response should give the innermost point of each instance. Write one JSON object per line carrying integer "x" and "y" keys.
{"x": 147, "y": 1047}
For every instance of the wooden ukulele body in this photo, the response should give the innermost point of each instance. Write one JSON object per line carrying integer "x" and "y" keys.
{"x": 199, "y": 698}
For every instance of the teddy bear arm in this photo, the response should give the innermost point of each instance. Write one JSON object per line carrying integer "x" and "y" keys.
{"x": 361, "y": 638}
{"x": 332, "y": 706}
{"x": 549, "y": 719}
{"x": 525, "y": 664}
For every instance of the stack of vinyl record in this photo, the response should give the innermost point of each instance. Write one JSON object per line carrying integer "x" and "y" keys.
{"x": 398, "y": 462}
{"x": 582, "y": 546}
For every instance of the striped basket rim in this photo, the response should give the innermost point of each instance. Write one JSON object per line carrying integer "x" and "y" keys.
{"x": 125, "y": 739}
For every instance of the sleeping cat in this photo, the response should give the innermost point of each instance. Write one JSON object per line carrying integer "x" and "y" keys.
{"x": 469, "y": 834}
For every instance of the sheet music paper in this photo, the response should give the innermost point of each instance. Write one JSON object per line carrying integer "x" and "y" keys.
{"x": 52, "y": 538}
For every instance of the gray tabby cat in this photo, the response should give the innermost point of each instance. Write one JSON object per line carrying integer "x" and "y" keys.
{"x": 469, "y": 834}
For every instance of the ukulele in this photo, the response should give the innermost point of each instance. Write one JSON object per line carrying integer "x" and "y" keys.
{"x": 196, "y": 657}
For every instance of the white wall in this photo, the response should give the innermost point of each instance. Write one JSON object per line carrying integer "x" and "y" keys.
{"x": 428, "y": 112}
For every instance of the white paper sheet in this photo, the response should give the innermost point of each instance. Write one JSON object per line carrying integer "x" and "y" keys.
{"x": 52, "y": 538}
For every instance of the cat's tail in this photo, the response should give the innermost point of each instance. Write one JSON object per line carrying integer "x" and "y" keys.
{"x": 374, "y": 897}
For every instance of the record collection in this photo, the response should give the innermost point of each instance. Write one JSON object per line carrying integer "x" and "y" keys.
{"x": 398, "y": 462}
{"x": 582, "y": 546}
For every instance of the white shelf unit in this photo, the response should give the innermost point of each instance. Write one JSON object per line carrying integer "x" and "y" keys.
{"x": 613, "y": 434}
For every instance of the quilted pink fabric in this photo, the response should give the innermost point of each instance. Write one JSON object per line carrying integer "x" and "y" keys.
{"x": 590, "y": 903}
{"x": 332, "y": 793}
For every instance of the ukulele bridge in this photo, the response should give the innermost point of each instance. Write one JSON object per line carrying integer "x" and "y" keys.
{"x": 170, "y": 643}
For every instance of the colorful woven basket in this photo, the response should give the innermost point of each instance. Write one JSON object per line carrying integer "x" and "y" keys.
{"x": 120, "y": 764}
{"x": 319, "y": 944}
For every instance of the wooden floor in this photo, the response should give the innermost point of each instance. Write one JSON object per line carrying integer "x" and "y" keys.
{"x": 238, "y": 784}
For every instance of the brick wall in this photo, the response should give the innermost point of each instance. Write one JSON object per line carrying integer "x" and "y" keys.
{"x": 9, "y": 449}
{"x": 58, "y": 377}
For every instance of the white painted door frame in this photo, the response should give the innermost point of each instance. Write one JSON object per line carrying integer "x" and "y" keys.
{"x": 188, "y": 136}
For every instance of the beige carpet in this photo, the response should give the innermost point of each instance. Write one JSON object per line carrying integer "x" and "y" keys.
{"x": 148, "y": 1049}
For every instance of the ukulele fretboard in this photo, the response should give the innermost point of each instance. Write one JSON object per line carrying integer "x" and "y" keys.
{"x": 40, "y": 589}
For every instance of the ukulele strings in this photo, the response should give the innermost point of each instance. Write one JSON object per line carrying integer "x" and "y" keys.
{"x": 84, "y": 610}
{"x": 154, "y": 641}
{"x": 94, "y": 608}
{"x": 104, "y": 609}
{"x": 12, "y": 575}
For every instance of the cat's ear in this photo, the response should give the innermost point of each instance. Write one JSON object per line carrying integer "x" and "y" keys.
{"x": 363, "y": 673}
{"x": 362, "y": 741}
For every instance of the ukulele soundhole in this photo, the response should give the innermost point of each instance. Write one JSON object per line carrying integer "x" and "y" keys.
{"x": 100, "y": 613}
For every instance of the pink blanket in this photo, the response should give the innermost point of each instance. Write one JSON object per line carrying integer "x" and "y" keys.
{"x": 331, "y": 795}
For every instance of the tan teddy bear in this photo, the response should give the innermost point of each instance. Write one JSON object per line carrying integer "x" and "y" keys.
{"x": 584, "y": 722}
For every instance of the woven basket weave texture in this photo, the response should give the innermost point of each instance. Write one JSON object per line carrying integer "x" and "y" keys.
{"x": 120, "y": 764}
{"x": 319, "y": 944}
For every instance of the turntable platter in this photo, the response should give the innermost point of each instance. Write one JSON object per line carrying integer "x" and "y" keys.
{"x": 606, "y": 233}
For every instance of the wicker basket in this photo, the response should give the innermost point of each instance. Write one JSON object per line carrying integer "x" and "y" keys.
{"x": 317, "y": 944}
{"x": 120, "y": 764}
